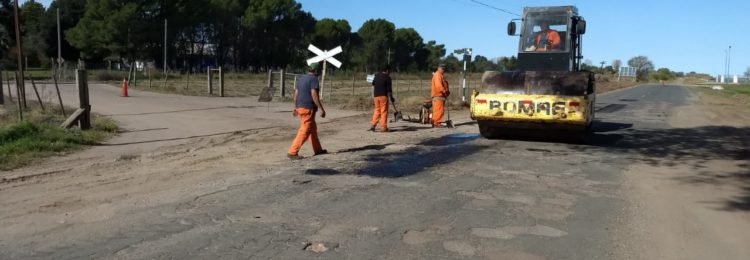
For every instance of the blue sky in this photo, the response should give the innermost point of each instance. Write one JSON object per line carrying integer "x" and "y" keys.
{"x": 686, "y": 35}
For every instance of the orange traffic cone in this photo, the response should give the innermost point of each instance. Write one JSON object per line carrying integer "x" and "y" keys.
{"x": 124, "y": 88}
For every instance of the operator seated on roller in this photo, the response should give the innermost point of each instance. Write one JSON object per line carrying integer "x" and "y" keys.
{"x": 545, "y": 40}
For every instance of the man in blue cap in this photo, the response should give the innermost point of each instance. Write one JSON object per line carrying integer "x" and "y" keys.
{"x": 306, "y": 104}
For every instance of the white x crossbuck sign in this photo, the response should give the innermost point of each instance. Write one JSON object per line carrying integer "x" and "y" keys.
{"x": 324, "y": 55}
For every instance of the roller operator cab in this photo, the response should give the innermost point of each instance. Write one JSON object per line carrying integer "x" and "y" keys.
{"x": 547, "y": 93}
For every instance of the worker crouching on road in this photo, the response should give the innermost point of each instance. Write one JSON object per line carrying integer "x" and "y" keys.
{"x": 306, "y": 104}
{"x": 381, "y": 92}
{"x": 439, "y": 95}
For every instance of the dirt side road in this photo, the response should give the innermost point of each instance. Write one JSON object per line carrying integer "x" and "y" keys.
{"x": 151, "y": 121}
{"x": 636, "y": 192}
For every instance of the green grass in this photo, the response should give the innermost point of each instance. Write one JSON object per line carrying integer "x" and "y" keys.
{"x": 737, "y": 90}
{"x": 739, "y": 94}
{"x": 40, "y": 136}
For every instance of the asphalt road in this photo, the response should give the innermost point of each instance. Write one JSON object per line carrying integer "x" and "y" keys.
{"x": 438, "y": 195}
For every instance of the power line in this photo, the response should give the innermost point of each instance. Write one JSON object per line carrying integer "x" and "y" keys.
{"x": 467, "y": 3}
{"x": 498, "y": 9}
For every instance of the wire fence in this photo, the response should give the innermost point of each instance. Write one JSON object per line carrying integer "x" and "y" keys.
{"x": 339, "y": 87}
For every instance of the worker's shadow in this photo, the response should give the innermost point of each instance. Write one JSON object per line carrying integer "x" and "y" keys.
{"x": 603, "y": 127}
{"x": 407, "y": 128}
{"x": 606, "y": 134}
{"x": 322, "y": 172}
{"x": 373, "y": 147}
{"x": 465, "y": 123}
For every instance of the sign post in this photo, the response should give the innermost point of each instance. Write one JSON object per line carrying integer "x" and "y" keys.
{"x": 467, "y": 56}
{"x": 326, "y": 57}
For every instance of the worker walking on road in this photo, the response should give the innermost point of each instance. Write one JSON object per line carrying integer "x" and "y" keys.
{"x": 306, "y": 104}
{"x": 381, "y": 92}
{"x": 439, "y": 95}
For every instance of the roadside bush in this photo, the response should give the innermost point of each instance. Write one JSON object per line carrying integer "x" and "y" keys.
{"x": 663, "y": 74}
{"x": 103, "y": 75}
{"x": 40, "y": 136}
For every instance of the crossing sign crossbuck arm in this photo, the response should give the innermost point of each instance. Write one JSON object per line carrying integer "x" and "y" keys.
{"x": 324, "y": 55}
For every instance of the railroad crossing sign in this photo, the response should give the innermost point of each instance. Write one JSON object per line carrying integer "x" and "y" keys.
{"x": 326, "y": 57}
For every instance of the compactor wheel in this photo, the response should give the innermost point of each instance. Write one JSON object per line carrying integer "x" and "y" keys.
{"x": 487, "y": 130}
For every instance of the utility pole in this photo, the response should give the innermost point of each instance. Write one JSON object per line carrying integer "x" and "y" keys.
{"x": 389, "y": 56}
{"x": 729, "y": 62}
{"x": 19, "y": 79}
{"x": 165, "y": 46}
{"x": 726, "y": 62}
{"x": 59, "y": 48}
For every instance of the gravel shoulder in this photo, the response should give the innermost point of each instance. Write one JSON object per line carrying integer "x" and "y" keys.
{"x": 693, "y": 200}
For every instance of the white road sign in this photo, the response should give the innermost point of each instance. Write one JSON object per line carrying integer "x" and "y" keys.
{"x": 628, "y": 71}
{"x": 324, "y": 55}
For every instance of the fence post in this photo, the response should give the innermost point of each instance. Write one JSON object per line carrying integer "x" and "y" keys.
{"x": 38, "y": 98}
{"x": 420, "y": 84}
{"x": 210, "y": 81}
{"x": 130, "y": 74}
{"x": 354, "y": 80}
{"x": 135, "y": 73}
{"x": 283, "y": 83}
{"x": 270, "y": 79}
{"x": 21, "y": 85}
{"x": 396, "y": 83}
{"x": 83, "y": 97}
{"x": 408, "y": 87}
{"x": 7, "y": 80}
{"x": 187, "y": 83}
{"x": 166, "y": 77}
{"x": 149, "y": 77}
{"x": 59, "y": 98}
{"x": 18, "y": 95}
{"x": 221, "y": 82}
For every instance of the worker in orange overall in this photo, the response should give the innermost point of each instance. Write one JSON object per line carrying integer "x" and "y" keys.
{"x": 306, "y": 104}
{"x": 546, "y": 39}
{"x": 439, "y": 95}
{"x": 381, "y": 92}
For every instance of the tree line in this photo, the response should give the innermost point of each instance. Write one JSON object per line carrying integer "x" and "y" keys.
{"x": 644, "y": 69}
{"x": 248, "y": 35}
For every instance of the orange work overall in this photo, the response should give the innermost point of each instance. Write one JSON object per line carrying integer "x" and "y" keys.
{"x": 308, "y": 130}
{"x": 438, "y": 110}
{"x": 380, "y": 113}
{"x": 439, "y": 94}
{"x": 552, "y": 41}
